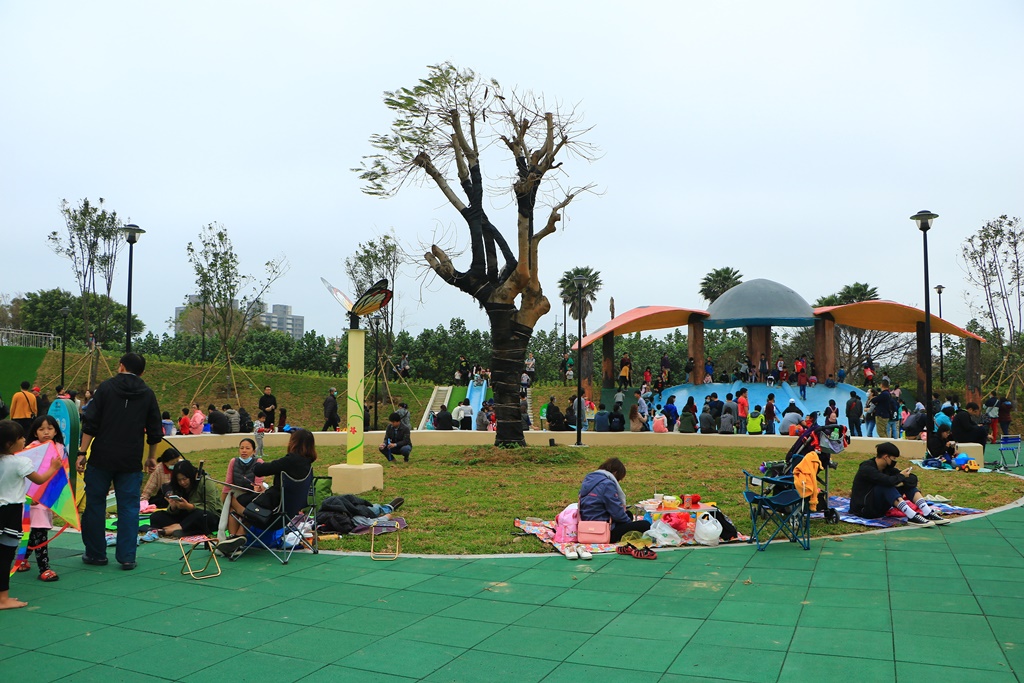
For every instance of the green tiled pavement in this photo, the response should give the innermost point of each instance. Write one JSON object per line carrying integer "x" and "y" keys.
{"x": 935, "y": 604}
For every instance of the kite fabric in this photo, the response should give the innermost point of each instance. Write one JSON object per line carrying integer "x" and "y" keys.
{"x": 54, "y": 493}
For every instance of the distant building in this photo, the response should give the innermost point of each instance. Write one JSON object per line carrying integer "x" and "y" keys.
{"x": 279, "y": 317}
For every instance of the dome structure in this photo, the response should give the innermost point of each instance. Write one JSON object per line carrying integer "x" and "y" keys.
{"x": 759, "y": 302}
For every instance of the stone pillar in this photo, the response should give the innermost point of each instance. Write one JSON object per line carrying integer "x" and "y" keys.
{"x": 695, "y": 346}
{"x": 759, "y": 340}
{"x": 609, "y": 371}
{"x": 825, "y": 348}
{"x": 972, "y": 371}
{"x": 587, "y": 368}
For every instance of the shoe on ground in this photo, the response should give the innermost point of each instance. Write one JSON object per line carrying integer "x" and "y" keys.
{"x": 93, "y": 561}
{"x": 571, "y": 553}
{"x": 938, "y": 519}
{"x": 397, "y": 503}
{"x": 49, "y": 576}
{"x": 584, "y": 553}
{"x": 918, "y": 520}
{"x": 128, "y": 566}
{"x": 228, "y": 547}
{"x": 22, "y": 565}
{"x": 150, "y": 536}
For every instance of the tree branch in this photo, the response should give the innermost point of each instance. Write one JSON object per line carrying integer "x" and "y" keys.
{"x": 424, "y": 162}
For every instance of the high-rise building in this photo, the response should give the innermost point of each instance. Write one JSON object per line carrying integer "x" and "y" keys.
{"x": 279, "y": 317}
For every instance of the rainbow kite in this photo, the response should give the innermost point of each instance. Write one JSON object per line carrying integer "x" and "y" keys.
{"x": 54, "y": 493}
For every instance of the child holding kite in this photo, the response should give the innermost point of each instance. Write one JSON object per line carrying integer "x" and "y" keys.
{"x": 14, "y": 470}
{"x": 43, "y": 430}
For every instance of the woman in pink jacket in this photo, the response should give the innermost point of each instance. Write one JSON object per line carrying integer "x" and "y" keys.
{"x": 197, "y": 419}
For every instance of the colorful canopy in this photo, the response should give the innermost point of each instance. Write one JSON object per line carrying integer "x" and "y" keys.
{"x": 888, "y": 316}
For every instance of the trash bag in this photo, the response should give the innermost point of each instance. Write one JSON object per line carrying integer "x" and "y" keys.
{"x": 663, "y": 535}
{"x": 707, "y": 530}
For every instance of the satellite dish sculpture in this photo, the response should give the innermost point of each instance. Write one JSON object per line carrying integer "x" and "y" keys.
{"x": 371, "y": 301}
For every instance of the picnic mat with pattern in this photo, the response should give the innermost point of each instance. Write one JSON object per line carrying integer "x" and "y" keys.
{"x": 842, "y": 506}
{"x": 545, "y": 531}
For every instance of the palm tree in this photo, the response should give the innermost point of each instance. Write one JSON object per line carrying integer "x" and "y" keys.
{"x": 718, "y": 282}
{"x": 591, "y": 286}
{"x": 858, "y": 291}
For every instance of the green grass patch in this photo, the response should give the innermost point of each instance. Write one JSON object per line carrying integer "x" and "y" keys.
{"x": 463, "y": 500}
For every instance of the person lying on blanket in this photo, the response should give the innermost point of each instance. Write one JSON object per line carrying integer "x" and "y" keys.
{"x": 879, "y": 486}
{"x": 602, "y": 499}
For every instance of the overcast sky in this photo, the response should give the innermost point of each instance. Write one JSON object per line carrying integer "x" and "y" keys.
{"x": 789, "y": 140}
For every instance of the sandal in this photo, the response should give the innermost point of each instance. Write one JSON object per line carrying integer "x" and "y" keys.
{"x": 22, "y": 565}
{"x": 49, "y": 575}
{"x": 625, "y": 549}
{"x": 644, "y": 554}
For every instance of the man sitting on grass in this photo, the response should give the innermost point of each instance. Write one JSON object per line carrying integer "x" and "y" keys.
{"x": 879, "y": 486}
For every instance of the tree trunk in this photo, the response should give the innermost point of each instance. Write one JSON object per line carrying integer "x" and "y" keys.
{"x": 509, "y": 340}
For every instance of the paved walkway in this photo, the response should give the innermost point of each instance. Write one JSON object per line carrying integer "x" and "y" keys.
{"x": 925, "y": 604}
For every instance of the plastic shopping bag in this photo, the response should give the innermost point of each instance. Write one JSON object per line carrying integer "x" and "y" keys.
{"x": 707, "y": 530}
{"x": 663, "y": 535}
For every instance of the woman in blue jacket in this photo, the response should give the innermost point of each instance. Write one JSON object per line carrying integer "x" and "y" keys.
{"x": 602, "y": 499}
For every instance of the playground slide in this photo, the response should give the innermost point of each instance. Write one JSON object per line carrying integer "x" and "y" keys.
{"x": 476, "y": 395}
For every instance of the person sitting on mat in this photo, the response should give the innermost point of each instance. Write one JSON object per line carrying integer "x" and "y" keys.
{"x": 193, "y": 504}
{"x": 154, "y": 490}
{"x": 602, "y": 499}
{"x": 878, "y": 486}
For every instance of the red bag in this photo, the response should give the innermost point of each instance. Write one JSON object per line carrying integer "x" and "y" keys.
{"x": 677, "y": 520}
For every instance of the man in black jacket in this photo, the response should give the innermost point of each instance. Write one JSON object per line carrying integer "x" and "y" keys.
{"x": 331, "y": 417}
{"x": 397, "y": 439}
{"x": 122, "y": 415}
{"x": 879, "y": 486}
{"x": 965, "y": 429}
{"x": 443, "y": 419}
{"x": 268, "y": 404}
{"x": 854, "y": 412}
{"x": 219, "y": 423}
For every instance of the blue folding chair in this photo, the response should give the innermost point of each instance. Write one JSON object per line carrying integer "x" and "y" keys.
{"x": 1010, "y": 443}
{"x": 295, "y": 511}
{"x": 776, "y": 507}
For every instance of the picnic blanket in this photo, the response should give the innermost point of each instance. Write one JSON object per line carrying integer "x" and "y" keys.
{"x": 545, "y": 531}
{"x": 920, "y": 463}
{"x": 394, "y": 524}
{"x": 842, "y": 506}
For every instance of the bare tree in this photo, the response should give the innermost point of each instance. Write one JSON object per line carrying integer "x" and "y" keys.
{"x": 446, "y": 122}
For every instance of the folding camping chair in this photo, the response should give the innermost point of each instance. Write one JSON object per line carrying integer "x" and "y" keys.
{"x": 1010, "y": 443}
{"x": 293, "y": 518}
{"x": 776, "y": 507}
{"x": 188, "y": 545}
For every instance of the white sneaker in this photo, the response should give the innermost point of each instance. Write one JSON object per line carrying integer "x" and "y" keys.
{"x": 584, "y": 553}
{"x": 570, "y": 552}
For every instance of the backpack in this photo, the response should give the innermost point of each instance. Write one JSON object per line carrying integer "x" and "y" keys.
{"x": 566, "y": 524}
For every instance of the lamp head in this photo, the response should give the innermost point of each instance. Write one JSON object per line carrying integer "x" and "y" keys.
{"x": 132, "y": 233}
{"x": 940, "y": 289}
{"x": 65, "y": 312}
{"x": 924, "y": 220}
{"x": 579, "y": 281}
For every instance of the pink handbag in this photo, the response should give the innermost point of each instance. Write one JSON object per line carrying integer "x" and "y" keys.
{"x": 594, "y": 532}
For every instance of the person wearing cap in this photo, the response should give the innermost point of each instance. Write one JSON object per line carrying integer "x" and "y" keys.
{"x": 879, "y": 486}
{"x": 332, "y": 420}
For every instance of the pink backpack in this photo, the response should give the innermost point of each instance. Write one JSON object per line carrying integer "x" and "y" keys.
{"x": 566, "y": 523}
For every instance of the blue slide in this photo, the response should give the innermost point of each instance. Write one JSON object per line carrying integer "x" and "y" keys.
{"x": 476, "y": 395}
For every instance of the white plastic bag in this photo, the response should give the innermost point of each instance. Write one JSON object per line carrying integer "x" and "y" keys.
{"x": 708, "y": 530}
{"x": 663, "y": 535}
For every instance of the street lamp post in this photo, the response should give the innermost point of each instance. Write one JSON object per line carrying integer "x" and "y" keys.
{"x": 942, "y": 370}
{"x": 924, "y": 221}
{"x": 64, "y": 313}
{"x": 132, "y": 233}
{"x": 581, "y": 410}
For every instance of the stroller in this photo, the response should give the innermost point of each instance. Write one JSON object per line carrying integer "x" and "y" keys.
{"x": 826, "y": 441}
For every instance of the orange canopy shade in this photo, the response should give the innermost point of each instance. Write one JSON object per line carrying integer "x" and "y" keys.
{"x": 644, "y": 318}
{"x": 888, "y": 316}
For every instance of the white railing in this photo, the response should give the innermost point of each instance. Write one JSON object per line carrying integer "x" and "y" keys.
{"x": 37, "y": 340}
